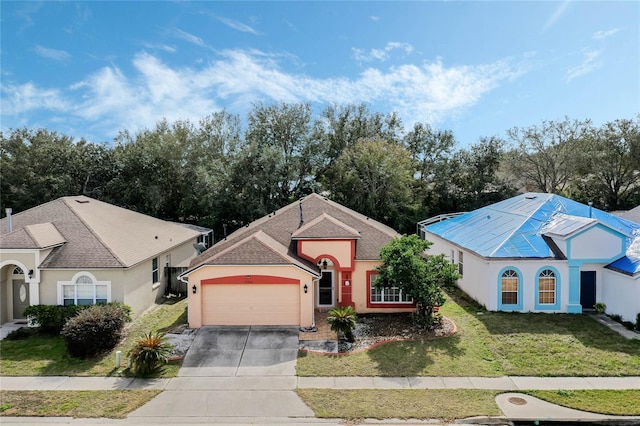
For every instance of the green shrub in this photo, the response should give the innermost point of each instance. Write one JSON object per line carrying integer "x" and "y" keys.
{"x": 94, "y": 330}
{"x": 125, "y": 308}
{"x": 638, "y": 322}
{"x": 600, "y": 307}
{"x": 51, "y": 318}
{"x": 149, "y": 353}
{"x": 343, "y": 320}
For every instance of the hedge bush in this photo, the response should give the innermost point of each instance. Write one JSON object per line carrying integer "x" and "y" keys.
{"x": 94, "y": 330}
{"x": 51, "y": 318}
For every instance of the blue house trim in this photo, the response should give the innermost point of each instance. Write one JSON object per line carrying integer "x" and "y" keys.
{"x": 518, "y": 306}
{"x": 547, "y": 306}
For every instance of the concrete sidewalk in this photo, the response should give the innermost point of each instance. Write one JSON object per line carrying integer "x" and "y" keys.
{"x": 271, "y": 400}
{"x": 280, "y": 383}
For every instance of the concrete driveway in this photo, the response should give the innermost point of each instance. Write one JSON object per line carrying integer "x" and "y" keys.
{"x": 242, "y": 351}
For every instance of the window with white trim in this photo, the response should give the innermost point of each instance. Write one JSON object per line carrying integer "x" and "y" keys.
{"x": 510, "y": 284}
{"x": 18, "y": 271}
{"x": 547, "y": 287}
{"x": 84, "y": 291}
{"x": 387, "y": 294}
{"x": 155, "y": 273}
{"x": 460, "y": 267}
{"x": 453, "y": 256}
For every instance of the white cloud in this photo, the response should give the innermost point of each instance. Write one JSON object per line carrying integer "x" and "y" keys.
{"x": 160, "y": 46}
{"x": 600, "y": 35}
{"x": 374, "y": 18}
{"x": 190, "y": 38}
{"x": 55, "y": 54}
{"x": 557, "y": 14}
{"x": 111, "y": 100}
{"x": 380, "y": 54}
{"x": 589, "y": 63}
{"x": 17, "y": 99}
{"x": 236, "y": 25}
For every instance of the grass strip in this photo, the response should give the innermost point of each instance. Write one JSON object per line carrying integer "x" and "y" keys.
{"x": 613, "y": 402}
{"x": 114, "y": 404}
{"x": 441, "y": 404}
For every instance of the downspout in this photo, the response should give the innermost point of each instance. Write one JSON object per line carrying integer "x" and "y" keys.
{"x": 314, "y": 283}
{"x": 313, "y": 327}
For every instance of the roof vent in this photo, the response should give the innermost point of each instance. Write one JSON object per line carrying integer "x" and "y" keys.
{"x": 531, "y": 197}
{"x": 82, "y": 201}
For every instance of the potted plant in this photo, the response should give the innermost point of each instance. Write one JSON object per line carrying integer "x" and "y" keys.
{"x": 600, "y": 307}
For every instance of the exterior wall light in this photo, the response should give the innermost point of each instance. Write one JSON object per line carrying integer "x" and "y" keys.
{"x": 30, "y": 273}
{"x": 194, "y": 289}
{"x": 305, "y": 288}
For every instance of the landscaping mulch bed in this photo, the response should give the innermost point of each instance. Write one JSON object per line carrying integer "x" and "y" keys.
{"x": 375, "y": 329}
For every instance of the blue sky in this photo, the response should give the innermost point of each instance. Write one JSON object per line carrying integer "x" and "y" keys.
{"x": 89, "y": 69}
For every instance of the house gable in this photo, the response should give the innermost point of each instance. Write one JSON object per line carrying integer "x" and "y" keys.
{"x": 597, "y": 244}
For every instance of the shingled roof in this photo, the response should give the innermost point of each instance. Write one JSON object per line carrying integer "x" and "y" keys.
{"x": 315, "y": 217}
{"x": 87, "y": 233}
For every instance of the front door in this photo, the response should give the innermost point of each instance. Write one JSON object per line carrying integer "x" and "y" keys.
{"x": 20, "y": 298}
{"x": 325, "y": 289}
{"x": 587, "y": 289}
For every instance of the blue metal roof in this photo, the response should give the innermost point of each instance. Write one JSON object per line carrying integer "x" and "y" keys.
{"x": 513, "y": 228}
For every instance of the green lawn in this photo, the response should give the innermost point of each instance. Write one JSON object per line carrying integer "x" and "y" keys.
{"x": 492, "y": 344}
{"x": 614, "y": 402}
{"x": 42, "y": 355}
{"x": 83, "y": 404}
{"x": 450, "y": 404}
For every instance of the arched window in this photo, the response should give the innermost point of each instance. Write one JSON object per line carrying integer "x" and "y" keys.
{"x": 18, "y": 271}
{"x": 84, "y": 291}
{"x": 547, "y": 287}
{"x": 510, "y": 284}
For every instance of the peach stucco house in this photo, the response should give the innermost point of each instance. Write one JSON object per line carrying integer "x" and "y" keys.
{"x": 312, "y": 254}
{"x": 78, "y": 250}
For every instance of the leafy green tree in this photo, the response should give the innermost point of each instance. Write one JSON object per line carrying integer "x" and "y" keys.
{"x": 611, "y": 176}
{"x": 276, "y": 164}
{"x": 548, "y": 156}
{"x": 432, "y": 151}
{"x": 341, "y": 127}
{"x": 37, "y": 166}
{"x": 477, "y": 174}
{"x": 405, "y": 265}
{"x": 374, "y": 177}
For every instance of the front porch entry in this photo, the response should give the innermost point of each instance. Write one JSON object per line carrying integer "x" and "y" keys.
{"x": 20, "y": 298}
{"x": 326, "y": 290}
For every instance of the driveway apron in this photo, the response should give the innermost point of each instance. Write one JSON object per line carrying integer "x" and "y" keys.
{"x": 234, "y": 371}
{"x": 242, "y": 351}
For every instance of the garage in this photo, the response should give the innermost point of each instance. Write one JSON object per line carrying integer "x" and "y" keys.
{"x": 225, "y": 303}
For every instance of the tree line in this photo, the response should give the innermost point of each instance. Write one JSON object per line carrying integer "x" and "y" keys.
{"x": 223, "y": 172}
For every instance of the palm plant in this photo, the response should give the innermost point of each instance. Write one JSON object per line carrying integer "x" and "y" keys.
{"x": 342, "y": 320}
{"x": 151, "y": 350}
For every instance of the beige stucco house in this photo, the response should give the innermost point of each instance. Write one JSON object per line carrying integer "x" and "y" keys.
{"x": 78, "y": 250}
{"x": 312, "y": 254}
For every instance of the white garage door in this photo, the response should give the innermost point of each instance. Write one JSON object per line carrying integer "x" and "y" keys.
{"x": 250, "y": 304}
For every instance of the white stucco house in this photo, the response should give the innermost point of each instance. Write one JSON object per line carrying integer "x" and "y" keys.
{"x": 78, "y": 250}
{"x": 543, "y": 253}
